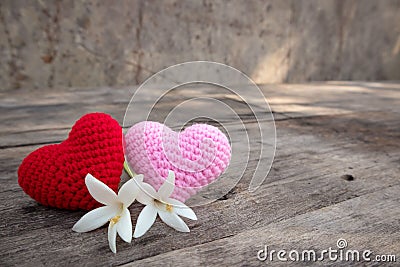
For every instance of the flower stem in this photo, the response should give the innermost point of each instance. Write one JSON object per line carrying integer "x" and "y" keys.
{"x": 128, "y": 170}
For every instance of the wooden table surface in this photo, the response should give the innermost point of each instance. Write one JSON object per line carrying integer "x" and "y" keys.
{"x": 324, "y": 131}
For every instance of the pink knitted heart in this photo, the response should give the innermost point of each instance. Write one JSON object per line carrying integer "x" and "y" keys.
{"x": 198, "y": 155}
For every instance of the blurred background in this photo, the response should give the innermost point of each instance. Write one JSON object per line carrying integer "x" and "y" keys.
{"x": 57, "y": 44}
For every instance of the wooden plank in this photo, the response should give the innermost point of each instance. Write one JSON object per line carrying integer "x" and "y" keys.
{"x": 358, "y": 221}
{"x": 366, "y": 132}
{"x": 23, "y": 113}
{"x": 48, "y": 121}
{"x": 305, "y": 177}
{"x": 312, "y": 154}
{"x": 299, "y": 100}
{"x": 221, "y": 219}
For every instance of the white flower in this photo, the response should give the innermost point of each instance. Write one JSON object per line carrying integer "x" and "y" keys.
{"x": 116, "y": 209}
{"x": 160, "y": 202}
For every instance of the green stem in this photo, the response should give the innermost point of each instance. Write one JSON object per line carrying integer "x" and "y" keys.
{"x": 128, "y": 170}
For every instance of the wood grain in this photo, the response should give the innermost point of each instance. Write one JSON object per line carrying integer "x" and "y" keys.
{"x": 354, "y": 220}
{"x": 324, "y": 131}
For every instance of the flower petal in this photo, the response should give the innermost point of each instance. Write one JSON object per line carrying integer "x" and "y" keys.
{"x": 139, "y": 178}
{"x": 100, "y": 191}
{"x": 124, "y": 226}
{"x": 173, "y": 220}
{"x": 147, "y": 194}
{"x": 129, "y": 191}
{"x": 112, "y": 237}
{"x": 181, "y": 209}
{"x": 145, "y": 220}
{"x": 168, "y": 186}
{"x": 95, "y": 218}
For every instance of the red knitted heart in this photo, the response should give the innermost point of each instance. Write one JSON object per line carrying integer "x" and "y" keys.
{"x": 54, "y": 175}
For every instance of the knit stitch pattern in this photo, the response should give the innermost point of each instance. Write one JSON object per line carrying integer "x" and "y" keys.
{"x": 54, "y": 175}
{"x": 198, "y": 155}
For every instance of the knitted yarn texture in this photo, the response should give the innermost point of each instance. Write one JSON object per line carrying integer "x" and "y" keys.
{"x": 54, "y": 175}
{"x": 197, "y": 155}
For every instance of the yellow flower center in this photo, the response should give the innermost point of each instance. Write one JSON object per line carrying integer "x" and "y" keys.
{"x": 168, "y": 207}
{"x": 114, "y": 220}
